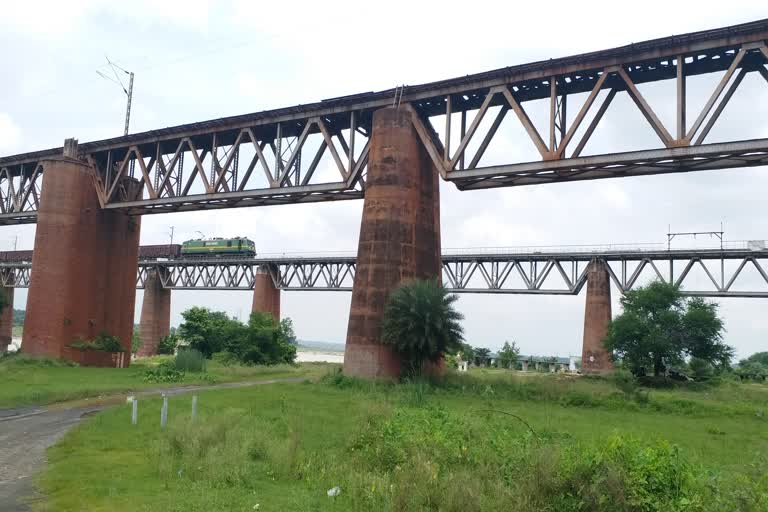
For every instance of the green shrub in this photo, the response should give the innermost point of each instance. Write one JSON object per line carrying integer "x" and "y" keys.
{"x": 168, "y": 344}
{"x": 225, "y": 358}
{"x": 163, "y": 373}
{"x": 23, "y": 360}
{"x": 189, "y": 360}
{"x": 421, "y": 324}
{"x": 104, "y": 342}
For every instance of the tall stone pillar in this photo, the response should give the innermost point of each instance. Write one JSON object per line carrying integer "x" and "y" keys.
{"x": 399, "y": 238}
{"x": 597, "y": 315}
{"x": 6, "y": 320}
{"x": 85, "y": 259}
{"x": 266, "y": 298}
{"x": 155, "y": 315}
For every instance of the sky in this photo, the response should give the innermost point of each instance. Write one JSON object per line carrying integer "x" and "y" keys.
{"x": 196, "y": 60}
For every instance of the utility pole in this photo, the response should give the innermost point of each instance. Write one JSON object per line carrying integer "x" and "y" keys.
{"x": 172, "y": 228}
{"x": 128, "y": 92}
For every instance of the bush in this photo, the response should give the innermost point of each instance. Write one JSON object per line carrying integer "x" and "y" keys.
{"x": 164, "y": 372}
{"x": 701, "y": 370}
{"x": 421, "y": 324}
{"x": 189, "y": 360}
{"x": 168, "y": 344}
{"x": 104, "y": 342}
{"x": 262, "y": 340}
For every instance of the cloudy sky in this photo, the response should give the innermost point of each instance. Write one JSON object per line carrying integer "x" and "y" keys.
{"x": 197, "y": 59}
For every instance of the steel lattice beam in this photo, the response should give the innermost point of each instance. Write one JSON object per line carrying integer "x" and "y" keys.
{"x": 536, "y": 273}
{"x": 319, "y": 152}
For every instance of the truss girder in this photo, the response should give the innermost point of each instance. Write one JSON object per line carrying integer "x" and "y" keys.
{"x": 707, "y": 273}
{"x": 319, "y": 152}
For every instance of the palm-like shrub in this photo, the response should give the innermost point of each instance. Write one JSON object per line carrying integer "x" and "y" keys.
{"x": 421, "y": 323}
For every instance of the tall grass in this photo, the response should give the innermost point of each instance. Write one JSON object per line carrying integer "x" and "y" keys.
{"x": 190, "y": 360}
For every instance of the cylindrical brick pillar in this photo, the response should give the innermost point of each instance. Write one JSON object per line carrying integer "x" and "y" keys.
{"x": 266, "y": 298}
{"x": 155, "y": 321}
{"x": 399, "y": 238}
{"x": 85, "y": 259}
{"x": 6, "y": 320}
{"x": 597, "y": 316}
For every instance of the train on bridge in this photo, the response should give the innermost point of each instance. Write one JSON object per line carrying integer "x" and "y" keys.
{"x": 200, "y": 248}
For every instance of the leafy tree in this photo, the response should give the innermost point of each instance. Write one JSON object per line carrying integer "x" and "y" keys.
{"x": 757, "y": 357}
{"x": 261, "y": 341}
{"x": 421, "y": 323}
{"x": 482, "y": 355}
{"x": 659, "y": 328}
{"x": 136, "y": 341}
{"x": 286, "y": 325}
{"x": 207, "y": 331}
{"x": 754, "y": 367}
{"x": 168, "y": 344}
{"x": 508, "y": 354}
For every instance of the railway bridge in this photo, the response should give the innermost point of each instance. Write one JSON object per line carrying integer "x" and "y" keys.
{"x": 722, "y": 272}
{"x": 389, "y": 147}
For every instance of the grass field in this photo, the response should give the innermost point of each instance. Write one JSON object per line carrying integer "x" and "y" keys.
{"x": 28, "y": 382}
{"x": 572, "y": 444}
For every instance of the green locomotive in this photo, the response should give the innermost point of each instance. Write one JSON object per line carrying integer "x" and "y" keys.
{"x": 219, "y": 247}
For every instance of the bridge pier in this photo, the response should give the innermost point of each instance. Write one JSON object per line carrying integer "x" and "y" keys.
{"x": 85, "y": 258}
{"x": 6, "y": 320}
{"x": 266, "y": 297}
{"x": 597, "y": 316}
{"x": 155, "y": 323}
{"x": 399, "y": 237}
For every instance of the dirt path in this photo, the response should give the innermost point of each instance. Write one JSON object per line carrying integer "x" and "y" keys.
{"x": 26, "y": 432}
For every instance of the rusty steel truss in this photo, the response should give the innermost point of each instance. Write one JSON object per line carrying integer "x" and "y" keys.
{"x": 708, "y": 273}
{"x": 319, "y": 152}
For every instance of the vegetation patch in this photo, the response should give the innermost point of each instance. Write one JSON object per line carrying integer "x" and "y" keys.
{"x": 415, "y": 446}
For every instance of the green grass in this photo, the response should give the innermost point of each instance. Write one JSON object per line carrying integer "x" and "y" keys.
{"x": 27, "y": 381}
{"x": 420, "y": 446}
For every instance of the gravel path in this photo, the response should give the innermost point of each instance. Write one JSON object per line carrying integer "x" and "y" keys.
{"x": 26, "y": 432}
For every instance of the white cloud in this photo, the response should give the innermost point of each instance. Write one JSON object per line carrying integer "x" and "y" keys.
{"x": 10, "y": 134}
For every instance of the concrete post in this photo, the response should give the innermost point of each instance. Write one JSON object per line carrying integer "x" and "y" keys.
{"x": 597, "y": 316}
{"x": 6, "y": 320}
{"x": 525, "y": 366}
{"x": 399, "y": 238}
{"x": 85, "y": 259}
{"x": 155, "y": 315}
{"x": 266, "y": 298}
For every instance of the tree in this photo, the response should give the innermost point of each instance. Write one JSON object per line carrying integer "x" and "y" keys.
{"x": 482, "y": 355}
{"x": 659, "y": 328}
{"x": 754, "y": 367}
{"x": 136, "y": 341}
{"x": 421, "y": 324}
{"x": 508, "y": 354}
{"x": 757, "y": 357}
{"x": 168, "y": 344}
{"x": 206, "y": 330}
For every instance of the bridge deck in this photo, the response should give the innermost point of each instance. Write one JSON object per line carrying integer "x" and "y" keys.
{"x": 281, "y": 150}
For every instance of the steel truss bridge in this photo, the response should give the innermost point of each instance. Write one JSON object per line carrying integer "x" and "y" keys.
{"x": 319, "y": 151}
{"x": 730, "y": 272}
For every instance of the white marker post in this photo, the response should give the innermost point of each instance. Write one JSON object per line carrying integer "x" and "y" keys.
{"x": 194, "y": 407}
{"x": 164, "y": 412}
{"x": 134, "y": 412}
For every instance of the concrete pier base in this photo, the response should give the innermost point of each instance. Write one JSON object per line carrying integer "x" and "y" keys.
{"x": 597, "y": 316}
{"x": 155, "y": 321}
{"x": 85, "y": 259}
{"x": 6, "y": 320}
{"x": 399, "y": 239}
{"x": 266, "y": 298}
